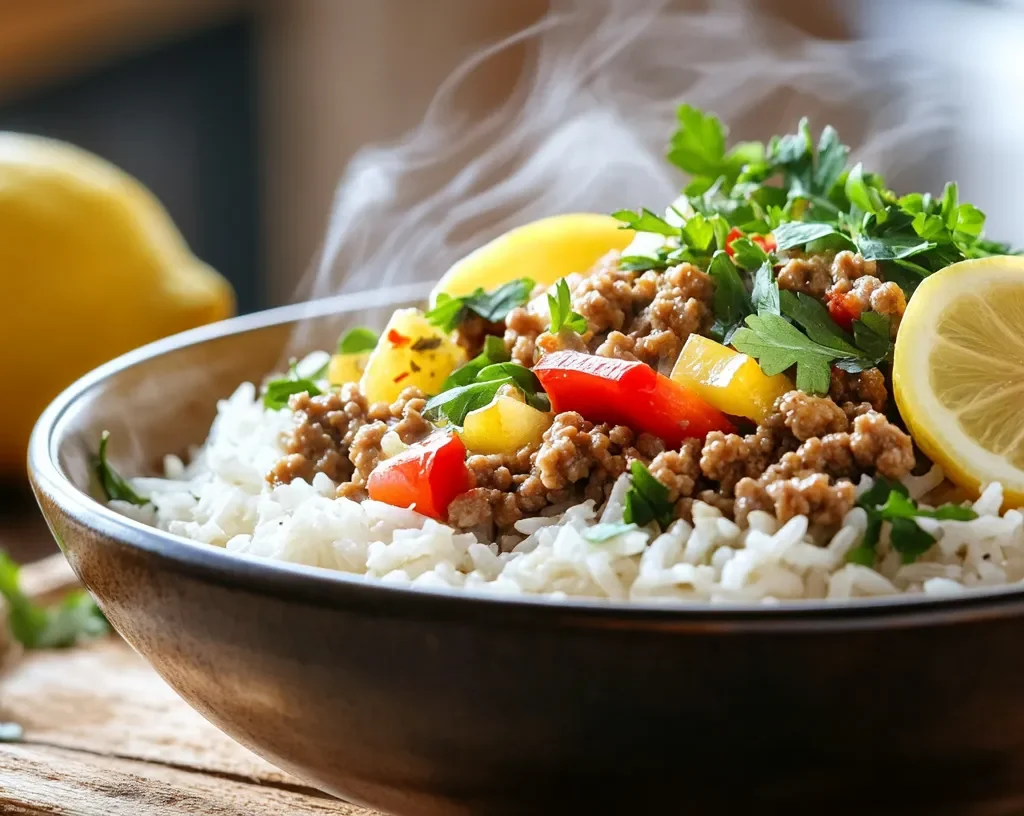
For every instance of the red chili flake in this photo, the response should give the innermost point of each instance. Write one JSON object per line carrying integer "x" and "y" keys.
{"x": 401, "y": 376}
{"x": 396, "y": 338}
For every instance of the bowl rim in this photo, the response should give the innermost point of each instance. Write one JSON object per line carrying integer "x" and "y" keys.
{"x": 334, "y": 588}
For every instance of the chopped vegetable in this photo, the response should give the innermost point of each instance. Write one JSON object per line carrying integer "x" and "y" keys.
{"x": 627, "y": 393}
{"x": 411, "y": 352}
{"x": 450, "y": 311}
{"x": 503, "y": 426}
{"x": 455, "y": 403}
{"x": 731, "y": 382}
{"x": 561, "y": 311}
{"x": 493, "y": 352}
{"x": 425, "y": 476}
{"x": 114, "y": 485}
{"x": 647, "y": 498}
{"x": 889, "y": 501}
{"x": 277, "y": 392}
{"x": 76, "y": 617}
{"x": 346, "y": 368}
{"x": 357, "y": 340}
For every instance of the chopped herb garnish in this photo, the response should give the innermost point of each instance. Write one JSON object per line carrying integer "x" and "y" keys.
{"x": 562, "y": 315}
{"x": 889, "y": 502}
{"x": 493, "y": 352}
{"x": 454, "y": 403}
{"x": 646, "y": 221}
{"x": 600, "y": 533}
{"x": 357, "y": 341}
{"x": 647, "y": 498}
{"x": 765, "y": 297}
{"x": 749, "y": 255}
{"x": 494, "y": 306}
{"x": 114, "y": 485}
{"x": 777, "y": 345}
{"x": 277, "y": 392}
{"x": 426, "y": 343}
{"x": 35, "y": 627}
{"x": 731, "y": 302}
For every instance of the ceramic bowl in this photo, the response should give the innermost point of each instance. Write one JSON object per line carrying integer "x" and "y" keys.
{"x": 417, "y": 702}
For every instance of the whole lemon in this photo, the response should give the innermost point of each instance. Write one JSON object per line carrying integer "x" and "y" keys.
{"x": 91, "y": 266}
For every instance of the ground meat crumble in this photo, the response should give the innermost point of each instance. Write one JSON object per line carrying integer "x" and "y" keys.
{"x": 803, "y": 459}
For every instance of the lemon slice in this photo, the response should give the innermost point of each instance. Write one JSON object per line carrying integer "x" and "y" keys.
{"x": 544, "y": 250}
{"x": 958, "y": 372}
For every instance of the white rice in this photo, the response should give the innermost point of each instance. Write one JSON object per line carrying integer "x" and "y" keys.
{"x": 222, "y": 499}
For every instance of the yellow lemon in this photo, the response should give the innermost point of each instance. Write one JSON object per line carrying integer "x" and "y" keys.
{"x": 544, "y": 250}
{"x": 958, "y": 372}
{"x": 91, "y": 267}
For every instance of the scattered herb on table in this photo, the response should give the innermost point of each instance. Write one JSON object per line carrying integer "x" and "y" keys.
{"x": 494, "y": 306}
{"x": 35, "y": 627}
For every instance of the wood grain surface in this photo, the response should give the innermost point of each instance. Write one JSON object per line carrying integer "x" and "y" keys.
{"x": 105, "y": 736}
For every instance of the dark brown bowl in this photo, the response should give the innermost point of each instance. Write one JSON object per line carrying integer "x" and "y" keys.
{"x": 424, "y": 703}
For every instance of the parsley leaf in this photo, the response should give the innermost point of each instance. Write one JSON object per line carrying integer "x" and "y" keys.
{"x": 35, "y": 627}
{"x": 765, "y": 297}
{"x": 113, "y": 484}
{"x": 698, "y": 146}
{"x": 454, "y": 403}
{"x": 871, "y": 334}
{"x": 778, "y": 345}
{"x": 646, "y": 221}
{"x": 493, "y": 306}
{"x": 797, "y": 233}
{"x": 600, "y": 533}
{"x": 277, "y": 392}
{"x": 730, "y": 302}
{"x": 493, "y": 352}
{"x": 646, "y": 498}
{"x": 358, "y": 340}
{"x": 814, "y": 318}
{"x": 888, "y": 501}
{"x": 747, "y": 254}
{"x": 562, "y": 314}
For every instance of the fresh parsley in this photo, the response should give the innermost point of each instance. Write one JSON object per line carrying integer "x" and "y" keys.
{"x": 35, "y": 627}
{"x": 778, "y": 345}
{"x": 277, "y": 392}
{"x": 115, "y": 487}
{"x": 888, "y": 502}
{"x": 765, "y": 297}
{"x": 357, "y": 341}
{"x": 562, "y": 315}
{"x": 493, "y": 352}
{"x": 493, "y": 306}
{"x": 646, "y": 498}
{"x": 646, "y": 221}
{"x": 731, "y": 303}
{"x": 454, "y": 403}
{"x": 749, "y": 255}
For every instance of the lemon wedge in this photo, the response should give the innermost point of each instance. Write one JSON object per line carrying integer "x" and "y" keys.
{"x": 544, "y": 250}
{"x": 958, "y": 373}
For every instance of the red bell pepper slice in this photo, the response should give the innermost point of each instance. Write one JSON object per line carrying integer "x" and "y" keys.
{"x": 428, "y": 475}
{"x": 766, "y": 242}
{"x": 627, "y": 392}
{"x": 844, "y": 309}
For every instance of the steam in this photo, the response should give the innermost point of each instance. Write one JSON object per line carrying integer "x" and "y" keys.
{"x": 586, "y": 128}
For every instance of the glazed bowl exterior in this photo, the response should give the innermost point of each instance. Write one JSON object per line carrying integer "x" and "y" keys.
{"x": 417, "y": 702}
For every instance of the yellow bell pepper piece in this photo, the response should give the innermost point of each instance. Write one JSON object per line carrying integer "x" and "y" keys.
{"x": 347, "y": 368}
{"x": 503, "y": 426}
{"x": 732, "y": 382}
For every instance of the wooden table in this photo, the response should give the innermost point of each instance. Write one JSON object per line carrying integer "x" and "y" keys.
{"x": 105, "y": 736}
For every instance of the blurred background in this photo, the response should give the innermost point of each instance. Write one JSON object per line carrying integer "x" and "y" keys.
{"x": 241, "y": 116}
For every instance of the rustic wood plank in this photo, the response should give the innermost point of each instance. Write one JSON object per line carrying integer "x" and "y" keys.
{"x": 44, "y": 781}
{"x": 104, "y": 699}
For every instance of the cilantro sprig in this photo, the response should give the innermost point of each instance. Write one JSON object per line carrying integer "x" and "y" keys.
{"x": 115, "y": 486}
{"x": 493, "y": 306}
{"x": 36, "y": 627}
{"x": 562, "y": 315}
{"x": 889, "y": 502}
